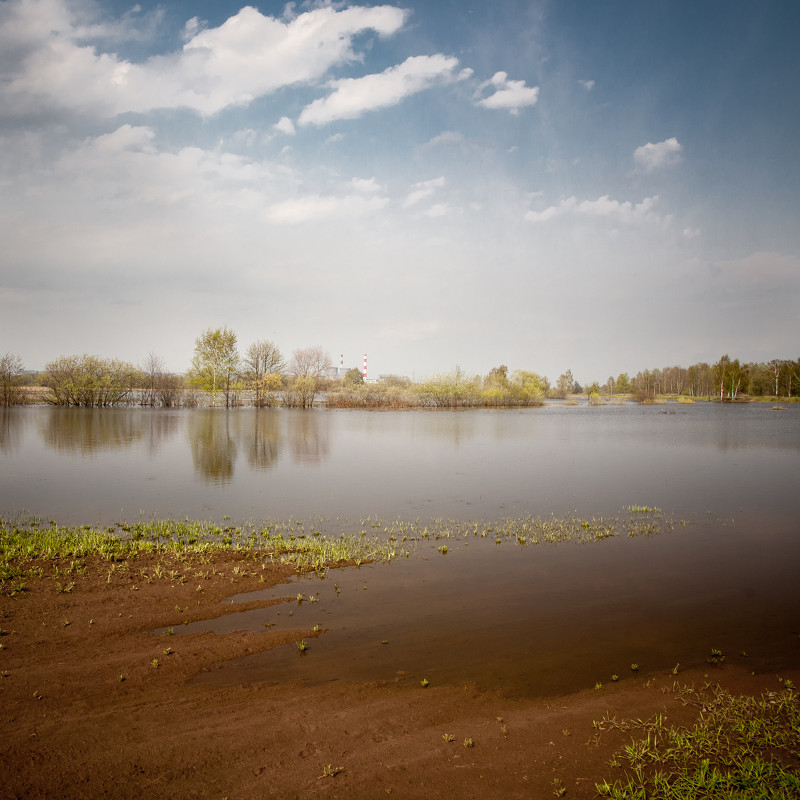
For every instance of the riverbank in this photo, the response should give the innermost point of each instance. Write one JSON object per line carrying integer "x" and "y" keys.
{"x": 95, "y": 704}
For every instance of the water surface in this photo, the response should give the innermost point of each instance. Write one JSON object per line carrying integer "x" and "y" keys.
{"x": 525, "y": 620}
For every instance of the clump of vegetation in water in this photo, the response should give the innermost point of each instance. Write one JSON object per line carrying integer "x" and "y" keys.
{"x": 739, "y": 747}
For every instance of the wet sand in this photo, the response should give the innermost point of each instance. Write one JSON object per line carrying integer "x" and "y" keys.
{"x": 94, "y": 704}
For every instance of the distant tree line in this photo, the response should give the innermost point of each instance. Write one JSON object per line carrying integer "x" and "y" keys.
{"x": 262, "y": 377}
{"x": 727, "y": 379}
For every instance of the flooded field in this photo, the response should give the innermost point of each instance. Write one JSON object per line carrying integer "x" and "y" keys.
{"x": 529, "y": 619}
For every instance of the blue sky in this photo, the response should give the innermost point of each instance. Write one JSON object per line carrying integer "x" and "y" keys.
{"x": 603, "y": 186}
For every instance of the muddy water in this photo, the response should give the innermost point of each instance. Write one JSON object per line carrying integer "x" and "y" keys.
{"x": 536, "y": 621}
{"x": 526, "y": 620}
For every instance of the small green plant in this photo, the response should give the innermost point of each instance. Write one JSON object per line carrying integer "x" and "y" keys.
{"x": 155, "y": 663}
{"x": 302, "y": 646}
{"x": 615, "y": 678}
{"x": 316, "y": 629}
{"x": 598, "y": 685}
{"x": 449, "y": 737}
{"x": 468, "y": 742}
{"x": 168, "y": 651}
{"x": 424, "y": 683}
{"x": 634, "y": 667}
{"x": 330, "y": 771}
{"x": 559, "y": 790}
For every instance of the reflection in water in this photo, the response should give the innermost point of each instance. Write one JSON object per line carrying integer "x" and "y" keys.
{"x": 308, "y": 437}
{"x": 158, "y": 429}
{"x": 88, "y": 430}
{"x": 213, "y": 447}
{"x": 10, "y": 431}
{"x": 263, "y": 439}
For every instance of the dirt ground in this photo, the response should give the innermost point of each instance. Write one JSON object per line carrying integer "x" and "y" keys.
{"x": 94, "y": 704}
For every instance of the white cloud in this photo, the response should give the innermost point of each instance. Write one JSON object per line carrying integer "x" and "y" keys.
{"x": 321, "y": 207}
{"x": 250, "y": 55}
{"x": 352, "y": 97}
{"x": 285, "y": 125}
{"x": 651, "y": 156}
{"x": 508, "y": 95}
{"x": 422, "y": 190}
{"x": 437, "y": 210}
{"x": 588, "y": 85}
{"x": 366, "y": 185}
{"x": 604, "y": 207}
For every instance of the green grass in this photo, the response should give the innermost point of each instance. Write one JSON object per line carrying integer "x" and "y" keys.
{"x": 30, "y": 548}
{"x": 740, "y": 747}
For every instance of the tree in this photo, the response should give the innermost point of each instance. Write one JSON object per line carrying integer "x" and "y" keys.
{"x": 728, "y": 377}
{"x": 312, "y": 361}
{"x": 152, "y": 370}
{"x": 263, "y": 365}
{"x": 623, "y": 384}
{"x": 216, "y": 362}
{"x": 565, "y": 384}
{"x": 353, "y": 377}
{"x": 91, "y": 381}
{"x": 11, "y": 370}
{"x": 776, "y": 367}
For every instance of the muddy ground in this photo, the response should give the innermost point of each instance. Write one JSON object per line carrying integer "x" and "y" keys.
{"x": 94, "y": 704}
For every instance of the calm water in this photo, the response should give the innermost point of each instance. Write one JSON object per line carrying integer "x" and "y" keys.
{"x": 535, "y": 620}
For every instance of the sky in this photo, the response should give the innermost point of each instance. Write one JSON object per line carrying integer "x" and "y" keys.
{"x": 594, "y": 185}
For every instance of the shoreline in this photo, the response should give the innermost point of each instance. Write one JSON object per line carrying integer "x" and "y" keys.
{"x": 85, "y": 678}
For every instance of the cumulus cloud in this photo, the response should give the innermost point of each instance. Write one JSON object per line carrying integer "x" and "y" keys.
{"x": 250, "y": 55}
{"x": 285, "y": 125}
{"x": 604, "y": 207}
{"x": 422, "y": 190}
{"x": 508, "y": 95}
{"x": 352, "y": 97}
{"x": 588, "y": 85}
{"x": 651, "y": 156}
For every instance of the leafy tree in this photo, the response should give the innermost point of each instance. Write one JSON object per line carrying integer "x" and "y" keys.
{"x": 353, "y": 377}
{"x": 91, "y": 381}
{"x": 11, "y": 380}
{"x": 263, "y": 365}
{"x": 565, "y": 384}
{"x": 216, "y": 362}
{"x": 623, "y": 384}
{"x": 728, "y": 377}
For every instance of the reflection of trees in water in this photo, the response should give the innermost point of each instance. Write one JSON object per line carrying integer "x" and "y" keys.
{"x": 263, "y": 439}
{"x": 86, "y": 430}
{"x": 10, "y": 430}
{"x": 308, "y": 436}
{"x": 158, "y": 427}
{"x": 213, "y": 447}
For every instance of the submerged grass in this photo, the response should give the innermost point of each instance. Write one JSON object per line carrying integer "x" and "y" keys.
{"x": 740, "y": 747}
{"x": 28, "y": 543}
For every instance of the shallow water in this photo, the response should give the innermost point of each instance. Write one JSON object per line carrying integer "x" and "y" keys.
{"x": 529, "y": 621}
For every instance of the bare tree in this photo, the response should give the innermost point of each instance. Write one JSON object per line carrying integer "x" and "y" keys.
{"x": 11, "y": 370}
{"x": 313, "y": 361}
{"x": 307, "y": 367}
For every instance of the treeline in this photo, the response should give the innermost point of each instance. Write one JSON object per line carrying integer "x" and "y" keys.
{"x": 727, "y": 379}
{"x": 220, "y": 375}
